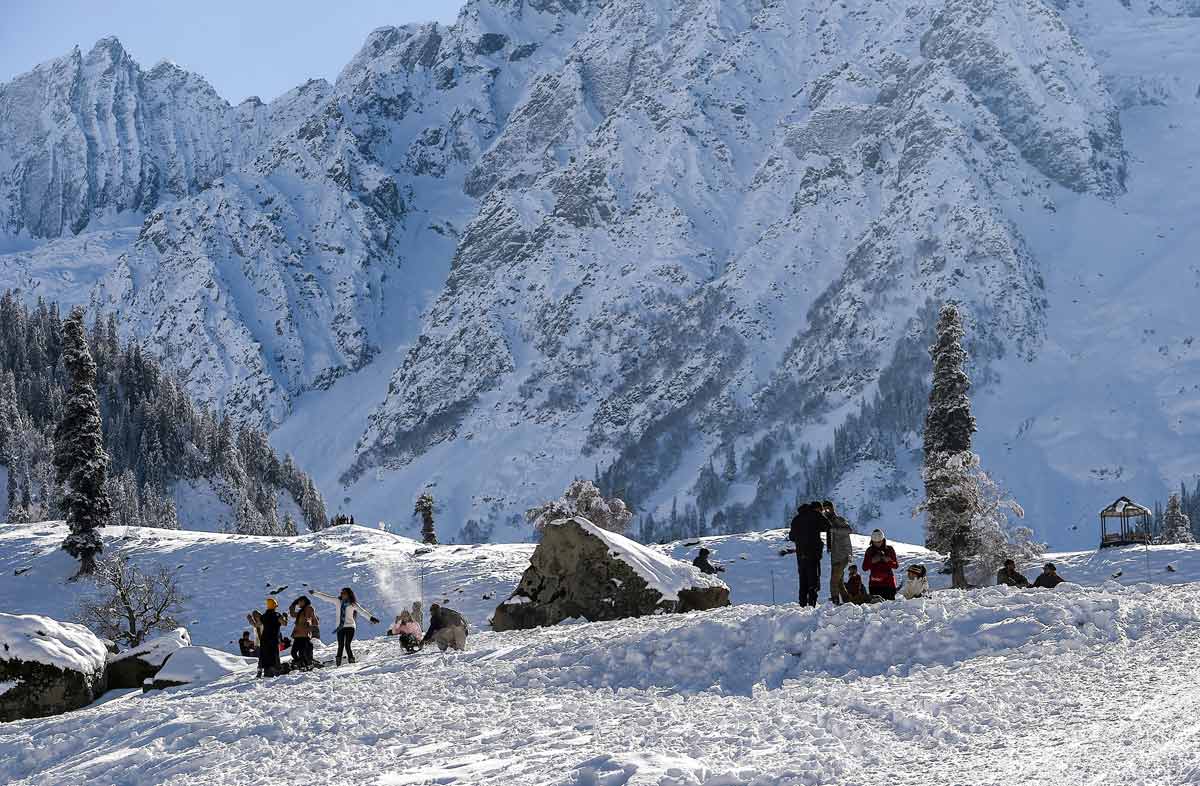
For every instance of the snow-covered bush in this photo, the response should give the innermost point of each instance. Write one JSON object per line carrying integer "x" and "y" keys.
{"x": 582, "y": 498}
{"x": 131, "y": 603}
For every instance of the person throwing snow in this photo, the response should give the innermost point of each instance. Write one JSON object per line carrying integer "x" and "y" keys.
{"x": 347, "y": 619}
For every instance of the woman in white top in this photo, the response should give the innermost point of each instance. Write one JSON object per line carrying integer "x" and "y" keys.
{"x": 916, "y": 585}
{"x": 347, "y": 619}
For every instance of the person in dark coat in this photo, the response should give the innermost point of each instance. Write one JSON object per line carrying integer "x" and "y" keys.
{"x": 841, "y": 551}
{"x": 805, "y": 532}
{"x": 247, "y": 646}
{"x": 1009, "y": 576}
{"x": 1049, "y": 578}
{"x": 447, "y": 628}
{"x": 701, "y": 562}
{"x": 879, "y": 561}
{"x": 855, "y": 589}
{"x": 271, "y": 623}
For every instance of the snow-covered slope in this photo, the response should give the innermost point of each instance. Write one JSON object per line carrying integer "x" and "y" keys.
{"x": 985, "y": 687}
{"x": 639, "y": 237}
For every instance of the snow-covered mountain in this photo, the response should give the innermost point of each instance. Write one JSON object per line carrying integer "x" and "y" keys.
{"x": 692, "y": 247}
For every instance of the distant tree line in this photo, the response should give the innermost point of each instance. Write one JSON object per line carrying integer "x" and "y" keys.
{"x": 154, "y": 435}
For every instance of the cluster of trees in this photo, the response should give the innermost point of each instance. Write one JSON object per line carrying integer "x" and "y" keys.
{"x": 1179, "y": 522}
{"x": 153, "y": 435}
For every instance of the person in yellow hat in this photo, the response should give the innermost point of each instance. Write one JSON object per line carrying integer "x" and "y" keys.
{"x": 269, "y": 623}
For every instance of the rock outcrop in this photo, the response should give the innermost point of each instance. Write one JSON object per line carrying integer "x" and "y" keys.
{"x": 580, "y": 570}
{"x": 132, "y": 668}
{"x": 47, "y": 667}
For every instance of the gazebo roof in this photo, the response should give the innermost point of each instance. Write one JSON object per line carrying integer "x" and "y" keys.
{"x": 1125, "y": 508}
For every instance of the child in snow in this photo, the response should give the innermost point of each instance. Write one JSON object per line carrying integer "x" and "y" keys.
{"x": 879, "y": 561}
{"x": 916, "y": 584}
{"x": 247, "y": 646}
{"x": 347, "y": 619}
{"x": 408, "y": 630}
{"x": 305, "y": 615}
{"x": 854, "y": 587}
{"x": 446, "y": 627}
{"x": 269, "y": 623}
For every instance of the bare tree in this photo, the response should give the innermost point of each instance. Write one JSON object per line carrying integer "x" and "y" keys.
{"x": 131, "y": 603}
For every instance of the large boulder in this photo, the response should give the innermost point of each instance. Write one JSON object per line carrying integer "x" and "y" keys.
{"x": 188, "y": 665}
{"x": 131, "y": 669}
{"x": 47, "y": 667}
{"x": 580, "y": 570}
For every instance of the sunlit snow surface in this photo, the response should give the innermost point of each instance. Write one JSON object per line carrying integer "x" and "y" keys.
{"x": 1090, "y": 683}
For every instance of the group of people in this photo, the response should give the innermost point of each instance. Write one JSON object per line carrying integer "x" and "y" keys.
{"x": 447, "y": 629}
{"x": 817, "y": 526}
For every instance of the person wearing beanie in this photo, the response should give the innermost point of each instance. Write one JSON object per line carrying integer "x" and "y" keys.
{"x": 269, "y": 623}
{"x": 879, "y": 561}
{"x": 916, "y": 584}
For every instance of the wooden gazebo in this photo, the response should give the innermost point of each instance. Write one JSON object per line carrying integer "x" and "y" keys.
{"x": 1125, "y": 523}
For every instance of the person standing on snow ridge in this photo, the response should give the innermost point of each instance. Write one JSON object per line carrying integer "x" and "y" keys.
{"x": 270, "y": 623}
{"x": 841, "y": 551}
{"x": 1049, "y": 578}
{"x": 305, "y": 615}
{"x": 1009, "y": 576}
{"x": 347, "y": 619}
{"x": 701, "y": 562}
{"x": 447, "y": 628}
{"x": 879, "y": 561}
{"x": 805, "y": 532}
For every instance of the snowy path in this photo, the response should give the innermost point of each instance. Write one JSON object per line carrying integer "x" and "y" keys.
{"x": 1082, "y": 687}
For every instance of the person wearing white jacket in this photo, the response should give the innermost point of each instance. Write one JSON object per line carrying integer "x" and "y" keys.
{"x": 347, "y": 619}
{"x": 916, "y": 584}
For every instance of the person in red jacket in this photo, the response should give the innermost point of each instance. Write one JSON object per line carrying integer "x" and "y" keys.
{"x": 880, "y": 561}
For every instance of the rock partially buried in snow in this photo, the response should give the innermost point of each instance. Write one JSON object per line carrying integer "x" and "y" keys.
{"x": 189, "y": 665}
{"x": 580, "y": 570}
{"x": 47, "y": 667}
{"x": 132, "y": 668}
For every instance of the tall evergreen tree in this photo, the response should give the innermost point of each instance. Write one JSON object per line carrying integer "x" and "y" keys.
{"x": 79, "y": 456}
{"x": 424, "y": 509}
{"x": 1176, "y": 526}
{"x": 949, "y": 426}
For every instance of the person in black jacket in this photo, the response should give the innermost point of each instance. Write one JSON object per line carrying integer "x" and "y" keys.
{"x": 807, "y": 527}
{"x": 447, "y": 628}
{"x": 270, "y": 623}
{"x": 701, "y": 562}
{"x": 1049, "y": 578}
{"x": 247, "y": 646}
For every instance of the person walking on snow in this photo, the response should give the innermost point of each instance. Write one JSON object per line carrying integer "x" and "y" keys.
{"x": 701, "y": 562}
{"x": 841, "y": 551}
{"x": 916, "y": 584}
{"x": 1049, "y": 578}
{"x": 305, "y": 615}
{"x": 347, "y": 619}
{"x": 879, "y": 561}
{"x": 805, "y": 531}
{"x": 270, "y": 623}
{"x": 447, "y": 628}
{"x": 1009, "y": 576}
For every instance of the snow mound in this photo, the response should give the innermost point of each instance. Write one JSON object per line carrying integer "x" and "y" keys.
{"x": 36, "y": 639}
{"x": 201, "y": 664}
{"x": 156, "y": 651}
{"x": 662, "y": 573}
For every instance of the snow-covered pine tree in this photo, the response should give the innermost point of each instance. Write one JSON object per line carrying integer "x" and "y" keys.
{"x": 424, "y": 509}
{"x": 1176, "y": 526}
{"x": 949, "y": 426}
{"x": 79, "y": 457}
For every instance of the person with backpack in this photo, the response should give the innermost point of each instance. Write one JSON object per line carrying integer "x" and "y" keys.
{"x": 841, "y": 551}
{"x": 447, "y": 628}
{"x": 879, "y": 562}
{"x": 303, "y": 632}
{"x": 805, "y": 531}
{"x": 269, "y": 623}
{"x": 347, "y": 619}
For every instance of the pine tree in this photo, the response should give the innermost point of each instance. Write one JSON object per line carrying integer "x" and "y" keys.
{"x": 80, "y": 459}
{"x": 1176, "y": 526}
{"x": 949, "y": 426}
{"x": 424, "y": 509}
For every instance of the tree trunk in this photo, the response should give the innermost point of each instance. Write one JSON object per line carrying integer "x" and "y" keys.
{"x": 958, "y": 569}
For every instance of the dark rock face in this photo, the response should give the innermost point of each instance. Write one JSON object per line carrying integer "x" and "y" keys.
{"x": 575, "y": 573}
{"x": 42, "y": 689}
{"x": 131, "y": 669}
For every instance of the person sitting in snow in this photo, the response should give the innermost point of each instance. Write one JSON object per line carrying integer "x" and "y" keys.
{"x": 701, "y": 562}
{"x": 915, "y": 584}
{"x": 855, "y": 588}
{"x": 269, "y": 622}
{"x": 1049, "y": 578}
{"x": 879, "y": 561}
{"x": 247, "y": 646}
{"x": 447, "y": 628}
{"x": 1009, "y": 576}
{"x": 408, "y": 630}
{"x": 347, "y": 620}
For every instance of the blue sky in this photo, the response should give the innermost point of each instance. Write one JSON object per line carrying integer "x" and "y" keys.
{"x": 243, "y": 47}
